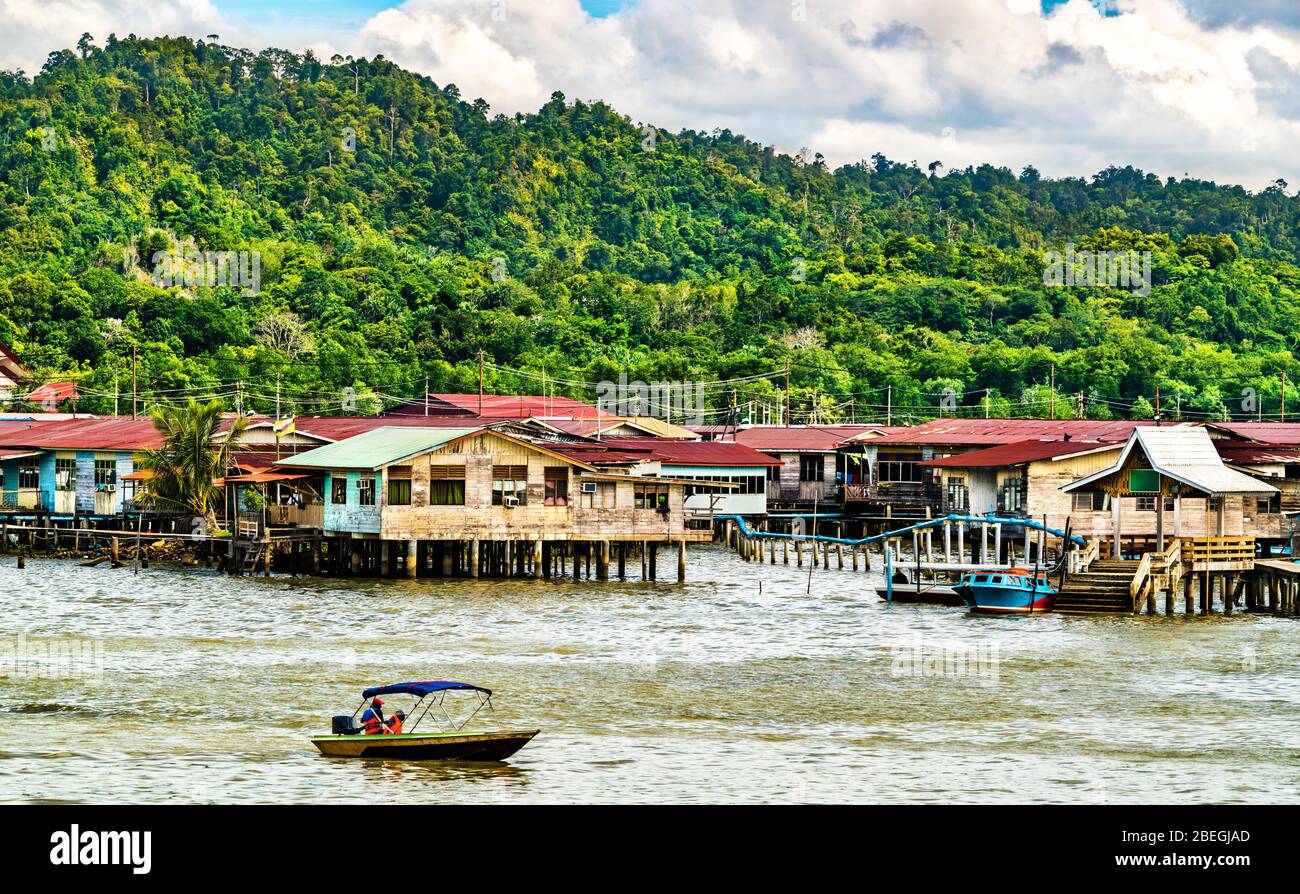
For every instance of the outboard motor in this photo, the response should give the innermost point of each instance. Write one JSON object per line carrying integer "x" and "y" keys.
{"x": 342, "y": 725}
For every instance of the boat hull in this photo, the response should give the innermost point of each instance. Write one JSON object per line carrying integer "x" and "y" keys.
{"x": 1004, "y": 600}
{"x": 455, "y": 746}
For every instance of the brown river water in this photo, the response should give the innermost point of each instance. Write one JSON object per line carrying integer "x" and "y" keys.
{"x": 739, "y": 686}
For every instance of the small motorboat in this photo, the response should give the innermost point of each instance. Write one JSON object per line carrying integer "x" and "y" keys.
{"x": 1014, "y": 591}
{"x": 451, "y": 743}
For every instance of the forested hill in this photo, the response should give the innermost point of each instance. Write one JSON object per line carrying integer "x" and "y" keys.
{"x": 402, "y": 228}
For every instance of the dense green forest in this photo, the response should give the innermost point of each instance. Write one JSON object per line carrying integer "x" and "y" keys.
{"x": 401, "y": 229}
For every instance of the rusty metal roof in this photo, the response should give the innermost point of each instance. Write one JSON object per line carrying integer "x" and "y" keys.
{"x": 987, "y": 432}
{"x": 105, "y": 433}
{"x": 799, "y": 438}
{"x": 696, "y": 453}
{"x": 1267, "y": 432}
{"x": 1019, "y": 453}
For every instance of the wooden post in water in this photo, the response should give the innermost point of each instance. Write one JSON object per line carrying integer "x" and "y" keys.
{"x": 473, "y": 557}
{"x": 654, "y": 559}
{"x": 681, "y": 561}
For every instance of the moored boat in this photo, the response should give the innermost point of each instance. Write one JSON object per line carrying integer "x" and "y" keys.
{"x": 387, "y": 738}
{"x": 1015, "y": 591}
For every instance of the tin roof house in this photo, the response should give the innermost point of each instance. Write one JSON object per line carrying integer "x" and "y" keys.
{"x": 478, "y": 483}
{"x": 1175, "y": 474}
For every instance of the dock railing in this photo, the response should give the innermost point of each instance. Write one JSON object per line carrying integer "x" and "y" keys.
{"x": 1234, "y": 553}
{"x": 1156, "y": 569}
{"x": 1081, "y": 559}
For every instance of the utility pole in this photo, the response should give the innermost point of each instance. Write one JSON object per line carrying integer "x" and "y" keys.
{"x": 787, "y": 392}
{"x": 1284, "y": 395}
{"x": 134, "y": 391}
{"x": 987, "y": 400}
{"x": 275, "y": 423}
{"x": 115, "y": 393}
{"x": 480, "y": 381}
{"x": 1051, "y": 387}
{"x": 889, "y": 405}
{"x": 426, "y": 395}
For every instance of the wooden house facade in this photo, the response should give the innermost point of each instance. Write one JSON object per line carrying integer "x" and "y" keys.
{"x": 482, "y": 497}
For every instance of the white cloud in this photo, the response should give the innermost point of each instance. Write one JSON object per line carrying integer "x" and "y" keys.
{"x": 32, "y": 29}
{"x": 1071, "y": 92}
{"x": 962, "y": 81}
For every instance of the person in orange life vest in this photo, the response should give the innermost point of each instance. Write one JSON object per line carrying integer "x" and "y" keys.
{"x": 395, "y": 722}
{"x": 372, "y": 721}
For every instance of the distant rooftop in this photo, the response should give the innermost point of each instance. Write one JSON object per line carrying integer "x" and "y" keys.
{"x": 1018, "y": 453}
{"x": 513, "y": 406}
{"x": 986, "y": 432}
{"x": 800, "y": 437}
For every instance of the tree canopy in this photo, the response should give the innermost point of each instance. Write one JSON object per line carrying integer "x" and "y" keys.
{"x": 398, "y": 230}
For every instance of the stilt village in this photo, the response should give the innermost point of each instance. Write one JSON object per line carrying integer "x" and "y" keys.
{"x": 1128, "y": 516}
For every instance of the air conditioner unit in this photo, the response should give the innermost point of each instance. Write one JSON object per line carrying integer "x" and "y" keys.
{"x": 588, "y": 487}
{"x": 510, "y": 502}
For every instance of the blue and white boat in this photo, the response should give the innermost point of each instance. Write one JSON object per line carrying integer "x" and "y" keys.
{"x": 1014, "y": 591}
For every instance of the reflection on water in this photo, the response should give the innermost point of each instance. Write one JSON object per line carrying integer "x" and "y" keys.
{"x": 207, "y": 688}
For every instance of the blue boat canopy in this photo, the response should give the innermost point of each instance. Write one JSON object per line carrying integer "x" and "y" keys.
{"x": 421, "y": 689}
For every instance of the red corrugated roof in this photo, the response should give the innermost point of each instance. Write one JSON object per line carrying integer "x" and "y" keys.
{"x": 513, "y": 406}
{"x": 54, "y": 392}
{"x": 987, "y": 432}
{"x": 1254, "y": 452}
{"x": 111, "y": 433}
{"x": 600, "y": 457}
{"x": 1017, "y": 453}
{"x": 697, "y": 453}
{"x": 799, "y": 437}
{"x": 584, "y": 427}
{"x": 1277, "y": 433}
{"x": 336, "y": 428}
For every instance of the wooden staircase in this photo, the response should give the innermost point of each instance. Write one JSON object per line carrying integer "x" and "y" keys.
{"x": 251, "y": 557}
{"x": 1104, "y": 587}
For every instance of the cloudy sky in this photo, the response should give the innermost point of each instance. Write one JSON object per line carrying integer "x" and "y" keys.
{"x": 1209, "y": 88}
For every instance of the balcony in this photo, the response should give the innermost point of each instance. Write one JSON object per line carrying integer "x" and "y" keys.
{"x": 23, "y": 498}
{"x": 893, "y": 492}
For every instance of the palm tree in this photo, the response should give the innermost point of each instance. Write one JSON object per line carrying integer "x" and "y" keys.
{"x": 190, "y": 457}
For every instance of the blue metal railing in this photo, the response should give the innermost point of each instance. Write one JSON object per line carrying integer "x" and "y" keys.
{"x": 917, "y": 526}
